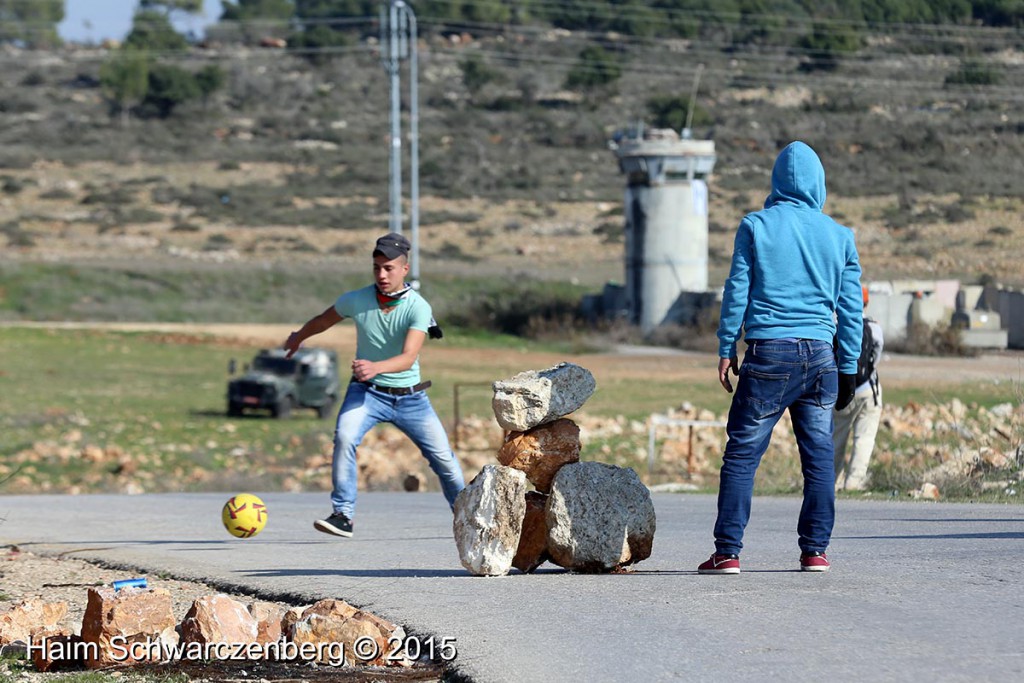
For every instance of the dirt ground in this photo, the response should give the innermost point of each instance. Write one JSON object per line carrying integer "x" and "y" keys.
{"x": 64, "y": 578}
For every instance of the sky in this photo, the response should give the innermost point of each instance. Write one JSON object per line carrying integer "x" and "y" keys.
{"x": 92, "y": 21}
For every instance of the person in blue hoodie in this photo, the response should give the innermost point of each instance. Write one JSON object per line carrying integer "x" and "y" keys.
{"x": 793, "y": 287}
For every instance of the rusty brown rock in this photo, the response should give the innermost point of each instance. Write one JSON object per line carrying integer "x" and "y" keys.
{"x": 542, "y": 451}
{"x": 63, "y": 651}
{"x": 269, "y": 618}
{"x": 533, "y": 541}
{"x": 290, "y": 618}
{"x": 331, "y": 622}
{"x": 131, "y": 615}
{"x": 218, "y": 619}
{"x": 30, "y": 618}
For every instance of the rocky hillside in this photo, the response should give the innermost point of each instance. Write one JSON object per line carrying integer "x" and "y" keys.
{"x": 288, "y": 159}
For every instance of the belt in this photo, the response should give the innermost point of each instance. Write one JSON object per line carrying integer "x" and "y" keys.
{"x": 396, "y": 391}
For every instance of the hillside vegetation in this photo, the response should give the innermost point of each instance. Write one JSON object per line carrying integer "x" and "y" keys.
{"x": 163, "y": 159}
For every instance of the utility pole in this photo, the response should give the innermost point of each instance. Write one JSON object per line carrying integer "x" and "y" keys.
{"x": 397, "y": 43}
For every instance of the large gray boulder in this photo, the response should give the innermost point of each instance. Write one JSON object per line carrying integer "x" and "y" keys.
{"x": 535, "y": 397}
{"x": 600, "y": 517}
{"x": 489, "y": 516}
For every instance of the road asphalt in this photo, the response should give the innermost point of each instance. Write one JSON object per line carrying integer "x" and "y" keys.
{"x": 918, "y": 591}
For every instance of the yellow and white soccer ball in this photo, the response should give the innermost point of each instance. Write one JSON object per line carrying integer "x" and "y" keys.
{"x": 244, "y": 515}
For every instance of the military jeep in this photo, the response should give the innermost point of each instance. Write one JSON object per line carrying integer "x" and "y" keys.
{"x": 309, "y": 379}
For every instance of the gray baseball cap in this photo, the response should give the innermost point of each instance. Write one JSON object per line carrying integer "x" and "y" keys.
{"x": 392, "y": 245}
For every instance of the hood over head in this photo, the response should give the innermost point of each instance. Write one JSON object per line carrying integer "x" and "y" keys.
{"x": 797, "y": 178}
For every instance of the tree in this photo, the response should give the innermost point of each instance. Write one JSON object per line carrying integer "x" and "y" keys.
{"x": 33, "y": 24}
{"x": 169, "y": 6}
{"x": 999, "y": 12}
{"x": 323, "y": 25}
{"x": 168, "y": 87}
{"x": 254, "y": 10}
{"x": 152, "y": 30}
{"x": 125, "y": 79}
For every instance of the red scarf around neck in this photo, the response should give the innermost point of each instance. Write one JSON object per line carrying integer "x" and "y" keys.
{"x": 389, "y": 300}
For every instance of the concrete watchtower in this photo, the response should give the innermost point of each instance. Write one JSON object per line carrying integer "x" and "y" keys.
{"x": 666, "y": 212}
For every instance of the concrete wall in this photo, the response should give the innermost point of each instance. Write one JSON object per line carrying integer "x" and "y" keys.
{"x": 1011, "y": 312}
{"x": 892, "y": 313}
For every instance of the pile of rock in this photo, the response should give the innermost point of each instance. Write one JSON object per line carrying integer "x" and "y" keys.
{"x": 137, "y": 625}
{"x": 583, "y": 516}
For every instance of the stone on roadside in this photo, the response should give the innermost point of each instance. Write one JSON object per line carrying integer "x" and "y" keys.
{"x": 291, "y": 616}
{"x": 533, "y": 541}
{"x": 541, "y": 451}
{"x": 219, "y": 619}
{"x": 30, "y": 618}
{"x": 488, "y": 520}
{"x": 600, "y": 517}
{"x": 534, "y": 397}
{"x": 57, "y": 652}
{"x": 269, "y": 617}
{"x": 928, "y": 490}
{"x": 133, "y": 615}
{"x": 330, "y": 624}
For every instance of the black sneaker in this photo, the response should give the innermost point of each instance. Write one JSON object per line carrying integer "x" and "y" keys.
{"x": 337, "y": 524}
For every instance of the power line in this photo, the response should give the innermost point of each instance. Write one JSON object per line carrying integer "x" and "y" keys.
{"x": 694, "y": 47}
{"x": 739, "y": 19}
{"x": 762, "y": 77}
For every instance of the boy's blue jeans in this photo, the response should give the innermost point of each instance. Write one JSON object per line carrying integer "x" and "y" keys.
{"x": 800, "y": 375}
{"x": 363, "y": 408}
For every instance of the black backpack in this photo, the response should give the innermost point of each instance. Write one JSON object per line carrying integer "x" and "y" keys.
{"x": 867, "y": 361}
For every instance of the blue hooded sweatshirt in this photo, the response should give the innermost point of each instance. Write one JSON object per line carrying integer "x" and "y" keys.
{"x": 795, "y": 271}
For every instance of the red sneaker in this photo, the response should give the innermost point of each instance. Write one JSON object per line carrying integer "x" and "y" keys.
{"x": 814, "y": 562}
{"x": 720, "y": 564}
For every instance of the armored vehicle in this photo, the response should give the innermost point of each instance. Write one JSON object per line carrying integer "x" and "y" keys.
{"x": 309, "y": 379}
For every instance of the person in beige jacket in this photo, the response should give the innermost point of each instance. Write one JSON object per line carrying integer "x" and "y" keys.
{"x": 862, "y": 416}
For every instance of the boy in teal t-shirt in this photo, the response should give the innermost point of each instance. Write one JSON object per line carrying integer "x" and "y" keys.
{"x": 392, "y": 322}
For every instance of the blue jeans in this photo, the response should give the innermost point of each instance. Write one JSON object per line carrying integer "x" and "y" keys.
{"x": 800, "y": 375}
{"x": 363, "y": 408}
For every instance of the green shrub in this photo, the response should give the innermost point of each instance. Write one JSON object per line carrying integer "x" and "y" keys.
{"x": 596, "y": 68}
{"x": 670, "y": 111}
{"x": 476, "y": 73}
{"x": 168, "y": 87}
{"x": 318, "y": 43}
{"x": 826, "y": 44}
{"x": 57, "y": 193}
{"x": 925, "y": 340}
{"x": 973, "y": 72}
{"x": 218, "y": 242}
{"x": 520, "y": 309}
{"x": 12, "y": 185}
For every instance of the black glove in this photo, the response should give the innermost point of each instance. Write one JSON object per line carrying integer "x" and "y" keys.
{"x": 847, "y": 387}
{"x": 434, "y": 331}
